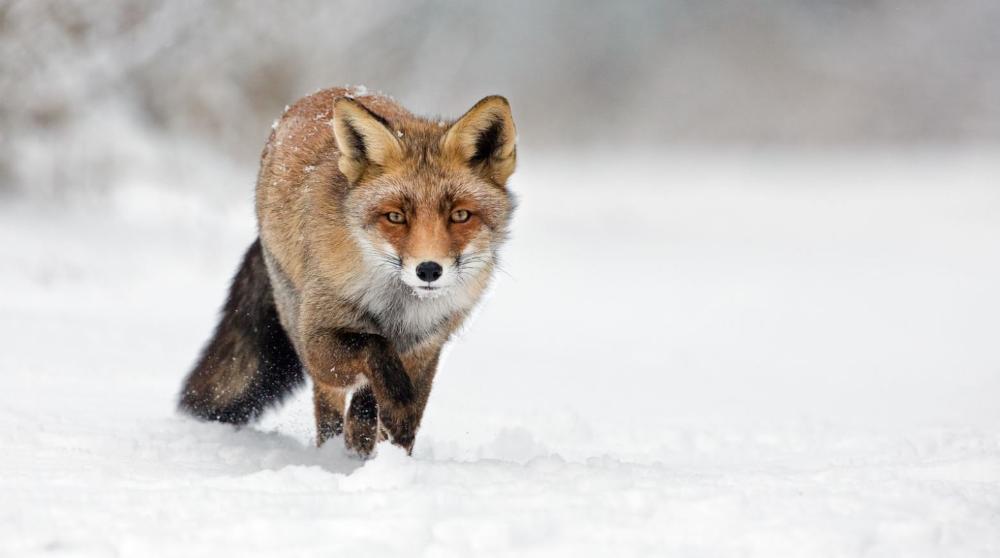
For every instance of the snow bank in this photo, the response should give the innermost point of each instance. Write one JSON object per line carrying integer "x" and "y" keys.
{"x": 762, "y": 355}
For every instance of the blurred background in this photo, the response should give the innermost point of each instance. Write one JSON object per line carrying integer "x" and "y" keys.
{"x": 96, "y": 93}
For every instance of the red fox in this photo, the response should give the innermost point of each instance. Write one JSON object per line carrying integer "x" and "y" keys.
{"x": 378, "y": 232}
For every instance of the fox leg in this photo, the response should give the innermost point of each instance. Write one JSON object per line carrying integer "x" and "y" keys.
{"x": 361, "y": 428}
{"x": 328, "y": 401}
{"x": 358, "y": 422}
{"x": 420, "y": 367}
{"x": 392, "y": 400}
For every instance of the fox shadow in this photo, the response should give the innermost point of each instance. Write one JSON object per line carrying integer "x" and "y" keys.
{"x": 227, "y": 449}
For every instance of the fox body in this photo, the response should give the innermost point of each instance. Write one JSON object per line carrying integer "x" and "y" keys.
{"x": 378, "y": 233}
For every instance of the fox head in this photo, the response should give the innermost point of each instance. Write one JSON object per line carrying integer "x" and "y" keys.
{"x": 427, "y": 202}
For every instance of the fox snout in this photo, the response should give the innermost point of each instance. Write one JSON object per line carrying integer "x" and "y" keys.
{"x": 427, "y": 275}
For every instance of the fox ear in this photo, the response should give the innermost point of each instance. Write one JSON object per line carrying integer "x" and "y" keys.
{"x": 363, "y": 139}
{"x": 485, "y": 139}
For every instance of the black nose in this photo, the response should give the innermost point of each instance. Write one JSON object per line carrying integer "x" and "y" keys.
{"x": 429, "y": 271}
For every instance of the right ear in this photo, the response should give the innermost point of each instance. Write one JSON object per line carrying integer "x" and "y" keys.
{"x": 485, "y": 138}
{"x": 363, "y": 139}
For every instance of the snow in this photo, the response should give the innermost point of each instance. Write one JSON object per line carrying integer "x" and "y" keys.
{"x": 754, "y": 354}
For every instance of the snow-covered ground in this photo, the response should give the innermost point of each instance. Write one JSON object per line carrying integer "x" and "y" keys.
{"x": 768, "y": 354}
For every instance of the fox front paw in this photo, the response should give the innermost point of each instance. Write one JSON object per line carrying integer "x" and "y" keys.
{"x": 361, "y": 444}
{"x": 399, "y": 426}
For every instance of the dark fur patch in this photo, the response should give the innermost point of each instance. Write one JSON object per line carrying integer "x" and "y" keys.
{"x": 378, "y": 117}
{"x": 362, "y": 418}
{"x": 382, "y": 361}
{"x": 249, "y": 364}
{"x": 357, "y": 141}
{"x": 385, "y": 363}
{"x": 353, "y": 343}
{"x": 363, "y": 406}
{"x": 487, "y": 143}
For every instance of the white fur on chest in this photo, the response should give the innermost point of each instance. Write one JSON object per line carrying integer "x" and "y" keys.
{"x": 402, "y": 313}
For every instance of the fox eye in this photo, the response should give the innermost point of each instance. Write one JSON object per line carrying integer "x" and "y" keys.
{"x": 460, "y": 216}
{"x": 395, "y": 217}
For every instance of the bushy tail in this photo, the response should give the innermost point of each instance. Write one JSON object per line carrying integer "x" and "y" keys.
{"x": 249, "y": 364}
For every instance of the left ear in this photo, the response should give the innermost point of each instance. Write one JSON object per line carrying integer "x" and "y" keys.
{"x": 485, "y": 139}
{"x": 363, "y": 139}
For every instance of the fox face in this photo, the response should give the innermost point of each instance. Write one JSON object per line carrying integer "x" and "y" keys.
{"x": 428, "y": 204}
{"x": 434, "y": 234}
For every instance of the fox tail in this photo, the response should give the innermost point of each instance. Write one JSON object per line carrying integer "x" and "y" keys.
{"x": 249, "y": 364}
